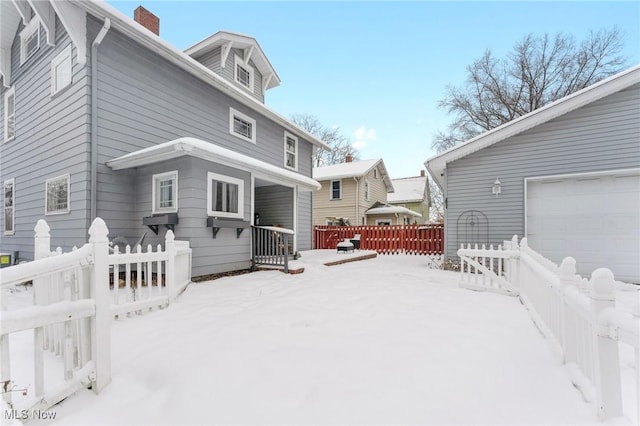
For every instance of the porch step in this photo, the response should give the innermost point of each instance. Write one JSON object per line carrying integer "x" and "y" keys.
{"x": 292, "y": 271}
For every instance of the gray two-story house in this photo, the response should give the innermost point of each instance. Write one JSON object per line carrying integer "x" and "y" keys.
{"x": 103, "y": 118}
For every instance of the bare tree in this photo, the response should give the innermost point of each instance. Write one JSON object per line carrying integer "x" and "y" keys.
{"x": 332, "y": 136}
{"x": 539, "y": 70}
{"x": 436, "y": 212}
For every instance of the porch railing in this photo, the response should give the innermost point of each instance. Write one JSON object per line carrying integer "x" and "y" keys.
{"x": 271, "y": 247}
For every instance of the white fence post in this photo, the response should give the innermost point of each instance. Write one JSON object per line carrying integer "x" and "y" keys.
{"x": 607, "y": 363}
{"x": 101, "y": 322}
{"x": 170, "y": 273}
{"x": 567, "y": 274}
{"x": 41, "y": 250}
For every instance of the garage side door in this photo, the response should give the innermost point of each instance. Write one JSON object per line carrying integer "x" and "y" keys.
{"x": 593, "y": 218}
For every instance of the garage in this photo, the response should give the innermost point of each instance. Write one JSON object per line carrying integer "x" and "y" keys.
{"x": 595, "y": 218}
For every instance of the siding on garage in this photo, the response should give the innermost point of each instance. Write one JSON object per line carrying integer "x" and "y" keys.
{"x": 604, "y": 135}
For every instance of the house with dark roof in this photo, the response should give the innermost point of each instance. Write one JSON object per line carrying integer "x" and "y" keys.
{"x": 566, "y": 176}
{"x": 101, "y": 117}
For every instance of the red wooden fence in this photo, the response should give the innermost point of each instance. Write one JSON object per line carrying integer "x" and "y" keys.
{"x": 410, "y": 239}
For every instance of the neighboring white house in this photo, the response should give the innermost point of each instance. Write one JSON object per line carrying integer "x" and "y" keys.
{"x": 567, "y": 176}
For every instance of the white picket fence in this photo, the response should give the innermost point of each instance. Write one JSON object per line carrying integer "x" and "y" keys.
{"x": 74, "y": 304}
{"x": 578, "y": 316}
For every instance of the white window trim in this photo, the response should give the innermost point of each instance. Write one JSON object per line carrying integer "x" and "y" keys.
{"x": 228, "y": 179}
{"x": 10, "y": 92}
{"x": 384, "y": 222}
{"x": 235, "y": 113}
{"x": 295, "y": 154}
{"x": 33, "y": 25}
{"x": 46, "y": 193}
{"x": 331, "y": 190}
{"x": 12, "y": 181}
{"x": 239, "y": 61}
{"x": 154, "y": 201}
{"x": 64, "y": 55}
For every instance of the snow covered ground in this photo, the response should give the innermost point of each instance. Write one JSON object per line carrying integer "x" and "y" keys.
{"x": 383, "y": 341}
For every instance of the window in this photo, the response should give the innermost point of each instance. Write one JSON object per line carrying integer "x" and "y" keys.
{"x": 57, "y": 196}
{"x": 375, "y": 173}
{"x": 366, "y": 190}
{"x": 165, "y": 192}
{"x": 10, "y": 114}
{"x": 9, "y": 209}
{"x": 29, "y": 40}
{"x": 225, "y": 196}
{"x": 336, "y": 189}
{"x": 61, "y": 71}
{"x": 290, "y": 151}
{"x": 243, "y": 73}
{"x": 242, "y": 126}
{"x": 383, "y": 222}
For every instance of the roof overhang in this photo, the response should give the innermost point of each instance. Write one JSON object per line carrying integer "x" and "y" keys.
{"x": 13, "y": 12}
{"x": 138, "y": 33}
{"x": 207, "y": 151}
{"x": 392, "y": 210}
{"x": 350, "y": 174}
{"x": 438, "y": 164}
{"x": 228, "y": 40}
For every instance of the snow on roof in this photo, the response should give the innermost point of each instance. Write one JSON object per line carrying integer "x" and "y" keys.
{"x": 392, "y": 210}
{"x": 408, "y": 190}
{"x": 437, "y": 164}
{"x": 211, "y": 152}
{"x": 343, "y": 170}
{"x": 353, "y": 169}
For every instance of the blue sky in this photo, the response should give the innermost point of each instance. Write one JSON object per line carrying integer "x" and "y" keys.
{"x": 378, "y": 69}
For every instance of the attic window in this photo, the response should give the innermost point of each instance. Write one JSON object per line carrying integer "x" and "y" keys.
{"x": 29, "y": 40}
{"x": 243, "y": 73}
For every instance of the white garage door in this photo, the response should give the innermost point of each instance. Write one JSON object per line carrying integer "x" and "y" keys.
{"x": 593, "y": 218}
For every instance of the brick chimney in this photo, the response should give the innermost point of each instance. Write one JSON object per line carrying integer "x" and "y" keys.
{"x": 348, "y": 158}
{"x": 147, "y": 19}
{"x": 421, "y": 173}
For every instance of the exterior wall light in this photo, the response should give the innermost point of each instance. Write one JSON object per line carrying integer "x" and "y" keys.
{"x": 497, "y": 187}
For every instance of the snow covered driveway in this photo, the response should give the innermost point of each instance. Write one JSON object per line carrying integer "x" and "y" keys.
{"x": 373, "y": 342}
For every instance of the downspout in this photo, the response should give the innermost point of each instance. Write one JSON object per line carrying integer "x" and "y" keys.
{"x": 94, "y": 116}
{"x": 357, "y": 201}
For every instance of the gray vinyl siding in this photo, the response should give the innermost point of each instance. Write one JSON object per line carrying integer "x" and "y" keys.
{"x": 211, "y": 60}
{"x": 52, "y": 135}
{"x": 274, "y": 203}
{"x": 305, "y": 215}
{"x": 224, "y": 253}
{"x": 602, "y": 136}
{"x": 143, "y": 101}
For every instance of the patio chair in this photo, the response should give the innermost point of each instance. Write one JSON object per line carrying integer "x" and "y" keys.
{"x": 356, "y": 241}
